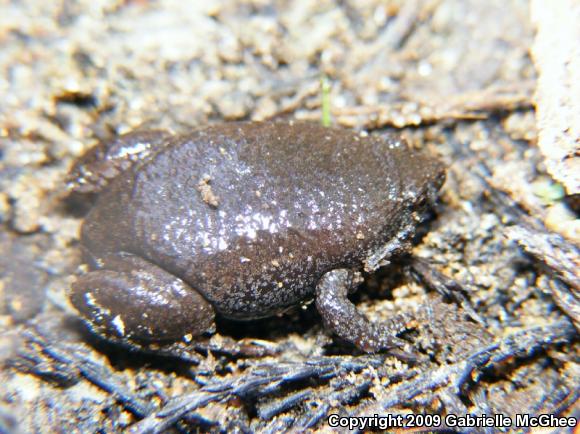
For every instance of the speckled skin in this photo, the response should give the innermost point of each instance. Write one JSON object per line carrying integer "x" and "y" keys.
{"x": 244, "y": 219}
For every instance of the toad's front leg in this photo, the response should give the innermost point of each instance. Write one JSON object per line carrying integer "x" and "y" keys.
{"x": 342, "y": 317}
{"x": 131, "y": 299}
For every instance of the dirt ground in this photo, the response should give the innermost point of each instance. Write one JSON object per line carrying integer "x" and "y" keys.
{"x": 455, "y": 77}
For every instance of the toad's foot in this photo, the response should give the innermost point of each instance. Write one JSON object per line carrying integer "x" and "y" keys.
{"x": 342, "y": 317}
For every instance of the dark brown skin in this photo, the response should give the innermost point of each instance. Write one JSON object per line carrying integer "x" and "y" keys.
{"x": 243, "y": 220}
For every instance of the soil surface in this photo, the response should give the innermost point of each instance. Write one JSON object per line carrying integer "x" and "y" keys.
{"x": 452, "y": 76}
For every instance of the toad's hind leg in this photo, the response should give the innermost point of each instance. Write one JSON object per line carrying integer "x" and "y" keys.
{"x": 130, "y": 298}
{"x": 342, "y": 317}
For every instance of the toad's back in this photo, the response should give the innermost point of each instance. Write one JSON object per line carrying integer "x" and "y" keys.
{"x": 252, "y": 214}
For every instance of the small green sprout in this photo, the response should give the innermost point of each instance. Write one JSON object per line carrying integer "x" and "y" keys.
{"x": 325, "y": 93}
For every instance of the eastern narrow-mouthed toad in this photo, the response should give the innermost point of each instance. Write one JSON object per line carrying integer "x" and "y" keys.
{"x": 243, "y": 220}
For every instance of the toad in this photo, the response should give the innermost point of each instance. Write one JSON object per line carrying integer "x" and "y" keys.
{"x": 243, "y": 220}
